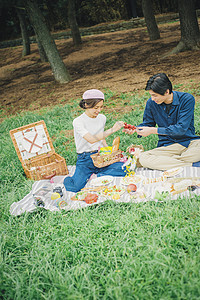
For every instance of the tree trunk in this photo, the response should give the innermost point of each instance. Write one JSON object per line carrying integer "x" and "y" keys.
{"x": 25, "y": 37}
{"x": 133, "y": 8}
{"x": 150, "y": 20}
{"x": 73, "y": 23}
{"x": 37, "y": 20}
{"x": 42, "y": 53}
{"x": 190, "y": 34}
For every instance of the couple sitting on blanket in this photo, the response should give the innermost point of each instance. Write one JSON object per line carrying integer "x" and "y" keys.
{"x": 171, "y": 111}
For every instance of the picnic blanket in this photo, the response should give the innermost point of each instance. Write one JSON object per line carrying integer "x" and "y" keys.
{"x": 28, "y": 203}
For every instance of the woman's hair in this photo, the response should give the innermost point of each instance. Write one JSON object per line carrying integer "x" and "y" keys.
{"x": 159, "y": 83}
{"x": 90, "y": 103}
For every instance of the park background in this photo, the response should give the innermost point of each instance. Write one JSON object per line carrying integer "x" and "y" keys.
{"x": 109, "y": 251}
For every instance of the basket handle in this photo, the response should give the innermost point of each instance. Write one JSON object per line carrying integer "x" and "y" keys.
{"x": 49, "y": 176}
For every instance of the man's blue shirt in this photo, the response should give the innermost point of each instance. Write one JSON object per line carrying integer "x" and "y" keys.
{"x": 175, "y": 126}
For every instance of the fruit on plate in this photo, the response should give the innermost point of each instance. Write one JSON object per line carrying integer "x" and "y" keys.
{"x": 129, "y": 126}
{"x": 91, "y": 198}
{"x": 131, "y": 188}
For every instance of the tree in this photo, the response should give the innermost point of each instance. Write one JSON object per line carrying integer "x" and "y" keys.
{"x": 73, "y": 23}
{"x": 41, "y": 50}
{"x": 25, "y": 37}
{"x": 150, "y": 20}
{"x": 37, "y": 20}
{"x": 132, "y": 8}
{"x": 190, "y": 34}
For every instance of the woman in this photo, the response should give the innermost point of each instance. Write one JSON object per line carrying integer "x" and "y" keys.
{"x": 89, "y": 135}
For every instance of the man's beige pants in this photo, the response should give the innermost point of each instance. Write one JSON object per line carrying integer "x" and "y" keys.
{"x": 175, "y": 155}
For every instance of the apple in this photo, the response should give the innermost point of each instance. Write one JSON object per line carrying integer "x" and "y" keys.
{"x": 131, "y": 188}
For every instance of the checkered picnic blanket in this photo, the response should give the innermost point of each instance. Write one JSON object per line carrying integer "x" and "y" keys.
{"x": 28, "y": 204}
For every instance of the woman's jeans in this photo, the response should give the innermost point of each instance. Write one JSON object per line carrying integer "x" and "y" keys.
{"x": 85, "y": 168}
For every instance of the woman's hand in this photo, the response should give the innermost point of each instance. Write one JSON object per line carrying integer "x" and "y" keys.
{"x": 117, "y": 126}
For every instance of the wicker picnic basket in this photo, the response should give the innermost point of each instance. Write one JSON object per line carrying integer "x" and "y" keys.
{"x": 107, "y": 159}
{"x": 36, "y": 152}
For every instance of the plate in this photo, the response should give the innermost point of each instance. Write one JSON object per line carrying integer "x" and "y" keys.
{"x": 103, "y": 180}
{"x": 79, "y": 196}
{"x": 132, "y": 179}
{"x": 113, "y": 192}
{"x": 172, "y": 172}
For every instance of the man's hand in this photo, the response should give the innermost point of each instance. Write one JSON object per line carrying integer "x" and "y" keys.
{"x": 145, "y": 131}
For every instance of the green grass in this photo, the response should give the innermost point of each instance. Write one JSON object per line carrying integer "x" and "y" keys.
{"x": 108, "y": 251}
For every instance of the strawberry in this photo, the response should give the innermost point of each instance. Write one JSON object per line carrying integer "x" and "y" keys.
{"x": 129, "y": 126}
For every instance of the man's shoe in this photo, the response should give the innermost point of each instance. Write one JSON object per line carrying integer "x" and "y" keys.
{"x": 196, "y": 164}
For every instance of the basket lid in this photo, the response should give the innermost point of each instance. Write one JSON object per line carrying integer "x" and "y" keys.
{"x": 31, "y": 140}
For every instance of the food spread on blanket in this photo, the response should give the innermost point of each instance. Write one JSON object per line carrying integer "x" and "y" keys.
{"x": 172, "y": 188}
{"x": 137, "y": 187}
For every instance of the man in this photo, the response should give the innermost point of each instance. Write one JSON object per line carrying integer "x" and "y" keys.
{"x": 173, "y": 113}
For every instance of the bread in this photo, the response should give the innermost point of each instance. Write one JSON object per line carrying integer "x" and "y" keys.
{"x": 115, "y": 144}
{"x": 180, "y": 187}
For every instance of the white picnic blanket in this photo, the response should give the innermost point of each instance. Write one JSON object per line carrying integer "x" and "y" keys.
{"x": 28, "y": 203}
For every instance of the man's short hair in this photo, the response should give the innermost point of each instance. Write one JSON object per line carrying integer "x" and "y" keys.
{"x": 159, "y": 83}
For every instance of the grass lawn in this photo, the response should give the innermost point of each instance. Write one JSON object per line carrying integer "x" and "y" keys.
{"x": 108, "y": 251}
